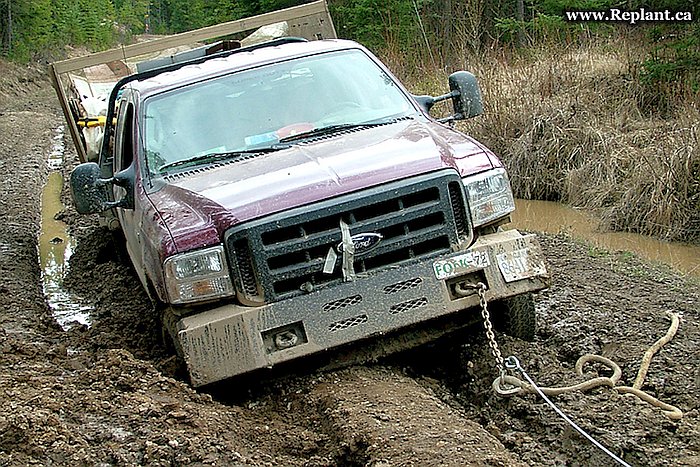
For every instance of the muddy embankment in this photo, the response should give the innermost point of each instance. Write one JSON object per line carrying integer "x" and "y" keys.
{"x": 109, "y": 394}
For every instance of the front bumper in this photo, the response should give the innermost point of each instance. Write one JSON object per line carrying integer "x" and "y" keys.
{"x": 231, "y": 340}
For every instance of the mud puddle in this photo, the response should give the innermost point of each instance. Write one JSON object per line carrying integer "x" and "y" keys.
{"x": 56, "y": 246}
{"x": 552, "y": 217}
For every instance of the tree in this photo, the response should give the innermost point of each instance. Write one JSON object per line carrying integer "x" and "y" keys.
{"x": 6, "y": 25}
{"x": 186, "y": 15}
{"x": 132, "y": 15}
{"x": 26, "y": 27}
{"x": 67, "y": 22}
{"x": 96, "y": 20}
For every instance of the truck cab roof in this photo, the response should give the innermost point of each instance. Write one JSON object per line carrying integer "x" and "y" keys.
{"x": 240, "y": 59}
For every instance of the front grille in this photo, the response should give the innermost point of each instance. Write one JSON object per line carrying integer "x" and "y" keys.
{"x": 347, "y": 323}
{"x": 283, "y": 255}
{"x": 409, "y": 305}
{"x": 459, "y": 208}
{"x": 244, "y": 268}
{"x": 403, "y": 285}
{"x": 342, "y": 303}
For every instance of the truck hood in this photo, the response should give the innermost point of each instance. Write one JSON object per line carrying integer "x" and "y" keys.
{"x": 212, "y": 198}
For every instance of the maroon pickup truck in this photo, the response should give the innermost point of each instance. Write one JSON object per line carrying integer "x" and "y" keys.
{"x": 293, "y": 197}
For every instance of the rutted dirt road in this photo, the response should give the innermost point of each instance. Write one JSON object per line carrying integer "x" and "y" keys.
{"x": 111, "y": 395}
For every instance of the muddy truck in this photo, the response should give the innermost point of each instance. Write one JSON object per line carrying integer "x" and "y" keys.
{"x": 291, "y": 198}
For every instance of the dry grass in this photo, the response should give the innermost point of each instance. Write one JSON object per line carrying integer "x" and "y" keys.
{"x": 574, "y": 125}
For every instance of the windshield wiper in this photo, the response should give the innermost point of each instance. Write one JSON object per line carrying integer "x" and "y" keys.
{"x": 212, "y": 156}
{"x": 330, "y": 129}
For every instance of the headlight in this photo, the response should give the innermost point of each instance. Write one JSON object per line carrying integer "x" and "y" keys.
{"x": 489, "y": 195}
{"x": 197, "y": 275}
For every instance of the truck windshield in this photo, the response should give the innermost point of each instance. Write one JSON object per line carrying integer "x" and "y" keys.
{"x": 257, "y": 108}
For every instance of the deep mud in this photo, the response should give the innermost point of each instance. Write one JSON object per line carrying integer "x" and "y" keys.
{"x": 111, "y": 394}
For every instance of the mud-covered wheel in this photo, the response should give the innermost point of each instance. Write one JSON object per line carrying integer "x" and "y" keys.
{"x": 168, "y": 332}
{"x": 166, "y": 338}
{"x": 173, "y": 364}
{"x": 515, "y": 316}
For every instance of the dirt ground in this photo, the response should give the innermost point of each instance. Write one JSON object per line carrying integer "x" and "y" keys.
{"x": 111, "y": 395}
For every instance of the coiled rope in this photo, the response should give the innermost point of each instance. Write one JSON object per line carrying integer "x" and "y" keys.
{"x": 517, "y": 386}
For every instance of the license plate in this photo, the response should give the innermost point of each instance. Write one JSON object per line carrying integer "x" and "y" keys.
{"x": 462, "y": 264}
{"x": 519, "y": 264}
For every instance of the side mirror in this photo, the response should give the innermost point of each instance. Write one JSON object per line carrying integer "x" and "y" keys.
{"x": 466, "y": 95}
{"x": 91, "y": 193}
{"x": 88, "y": 190}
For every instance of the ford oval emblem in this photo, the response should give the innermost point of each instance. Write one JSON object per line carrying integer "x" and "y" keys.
{"x": 364, "y": 242}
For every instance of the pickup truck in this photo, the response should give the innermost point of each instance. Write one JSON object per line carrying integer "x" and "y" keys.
{"x": 292, "y": 197}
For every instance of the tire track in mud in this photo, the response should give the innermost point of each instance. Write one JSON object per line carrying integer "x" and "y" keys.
{"x": 390, "y": 418}
{"x": 24, "y": 174}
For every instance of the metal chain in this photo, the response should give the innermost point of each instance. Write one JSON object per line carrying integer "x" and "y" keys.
{"x": 488, "y": 326}
{"x": 493, "y": 345}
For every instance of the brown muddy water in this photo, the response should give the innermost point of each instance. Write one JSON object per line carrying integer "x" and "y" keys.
{"x": 56, "y": 246}
{"x": 551, "y": 217}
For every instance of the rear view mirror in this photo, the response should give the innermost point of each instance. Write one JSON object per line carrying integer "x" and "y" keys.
{"x": 88, "y": 190}
{"x": 466, "y": 95}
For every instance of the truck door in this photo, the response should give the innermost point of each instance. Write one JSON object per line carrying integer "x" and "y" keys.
{"x": 129, "y": 219}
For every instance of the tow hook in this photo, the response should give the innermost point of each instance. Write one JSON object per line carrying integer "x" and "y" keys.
{"x": 465, "y": 289}
{"x": 286, "y": 339}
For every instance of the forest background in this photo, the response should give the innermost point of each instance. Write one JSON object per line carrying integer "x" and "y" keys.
{"x": 600, "y": 115}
